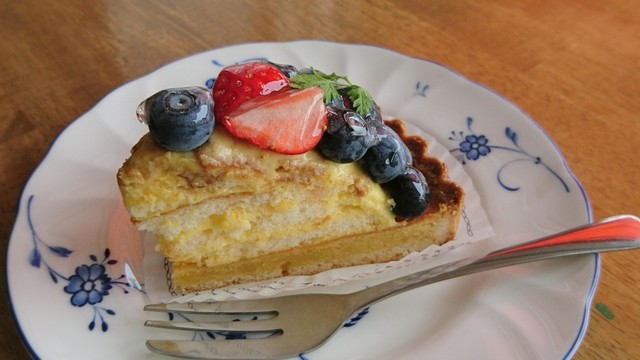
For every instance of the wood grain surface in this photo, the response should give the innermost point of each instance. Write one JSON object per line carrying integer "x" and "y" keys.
{"x": 572, "y": 65}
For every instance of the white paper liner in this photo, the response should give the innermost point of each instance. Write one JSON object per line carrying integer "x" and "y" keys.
{"x": 473, "y": 227}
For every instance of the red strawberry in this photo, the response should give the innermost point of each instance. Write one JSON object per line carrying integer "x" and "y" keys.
{"x": 239, "y": 83}
{"x": 289, "y": 122}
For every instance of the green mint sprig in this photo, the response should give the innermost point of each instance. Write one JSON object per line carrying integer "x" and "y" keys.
{"x": 330, "y": 84}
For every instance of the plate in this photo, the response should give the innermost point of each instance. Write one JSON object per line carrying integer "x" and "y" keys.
{"x": 73, "y": 296}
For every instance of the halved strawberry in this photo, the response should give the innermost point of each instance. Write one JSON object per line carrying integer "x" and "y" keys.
{"x": 289, "y": 122}
{"x": 238, "y": 83}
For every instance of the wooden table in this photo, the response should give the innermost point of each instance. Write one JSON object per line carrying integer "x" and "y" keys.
{"x": 573, "y": 66}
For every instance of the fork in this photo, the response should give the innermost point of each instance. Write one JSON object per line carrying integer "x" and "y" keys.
{"x": 288, "y": 326}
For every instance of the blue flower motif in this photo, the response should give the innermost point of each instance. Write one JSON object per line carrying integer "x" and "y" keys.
{"x": 89, "y": 285}
{"x": 472, "y": 146}
{"x": 475, "y": 146}
{"x": 421, "y": 90}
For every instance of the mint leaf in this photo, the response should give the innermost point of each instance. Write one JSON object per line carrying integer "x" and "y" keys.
{"x": 330, "y": 85}
{"x": 360, "y": 99}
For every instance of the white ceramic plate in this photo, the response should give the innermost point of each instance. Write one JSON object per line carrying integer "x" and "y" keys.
{"x": 57, "y": 251}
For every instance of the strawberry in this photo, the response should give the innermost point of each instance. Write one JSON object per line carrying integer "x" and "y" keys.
{"x": 238, "y": 83}
{"x": 288, "y": 122}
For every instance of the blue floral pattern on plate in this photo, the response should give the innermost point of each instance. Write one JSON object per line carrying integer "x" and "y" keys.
{"x": 421, "y": 90}
{"x": 90, "y": 283}
{"x": 472, "y": 147}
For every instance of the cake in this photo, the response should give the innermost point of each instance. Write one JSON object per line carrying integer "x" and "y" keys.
{"x": 234, "y": 209}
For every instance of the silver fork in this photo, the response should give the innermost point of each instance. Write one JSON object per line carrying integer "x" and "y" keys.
{"x": 288, "y": 326}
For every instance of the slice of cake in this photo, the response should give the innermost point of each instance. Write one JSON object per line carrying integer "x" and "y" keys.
{"x": 293, "y": 183}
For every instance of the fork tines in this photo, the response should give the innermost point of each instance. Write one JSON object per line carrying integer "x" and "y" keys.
{"x": 222, "y": 322}
{"x": 222, "y": 317}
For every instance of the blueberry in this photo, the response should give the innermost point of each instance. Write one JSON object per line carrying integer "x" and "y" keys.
{"x": 410, "y": 193}
{"x": 347, "y": 138}
{"x": 179, "y": 119}
{"x": 374, "y": 117}
{"x": 340, "y": 150}
{"x": 305, "y": 71}
{"x": 342, "y": 101}
{"x": 387, "y": 159}
{"x": 383, "y": 131}
{"x": 288, "y": 70}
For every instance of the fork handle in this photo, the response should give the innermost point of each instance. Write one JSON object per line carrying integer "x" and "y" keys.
{"x": 612, "y": 234}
